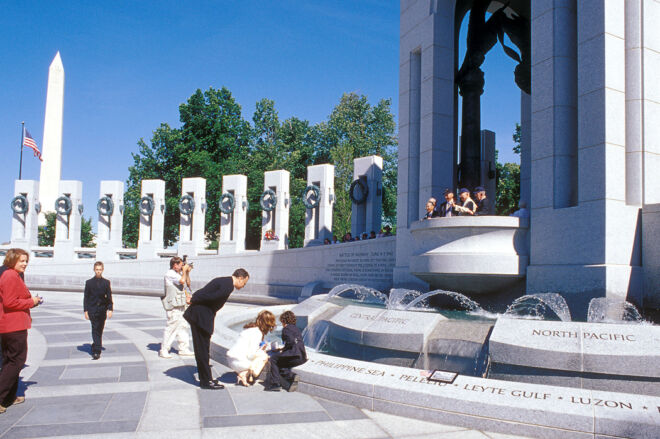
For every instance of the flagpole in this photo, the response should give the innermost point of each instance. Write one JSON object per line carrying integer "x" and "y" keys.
{"x": 20, "y": 163}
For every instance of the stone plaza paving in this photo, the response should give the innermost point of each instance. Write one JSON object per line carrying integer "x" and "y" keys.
{"x": 131, "y": 392}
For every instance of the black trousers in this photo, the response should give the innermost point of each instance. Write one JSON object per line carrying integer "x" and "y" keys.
{"x": 14, "y": 354}
{"x": 98, "y": 323}
{"x": 279, "y": 370}
{"x": 201, "y": 346}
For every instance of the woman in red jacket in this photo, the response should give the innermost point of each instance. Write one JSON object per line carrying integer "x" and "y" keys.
{"x": 15, "y": 320}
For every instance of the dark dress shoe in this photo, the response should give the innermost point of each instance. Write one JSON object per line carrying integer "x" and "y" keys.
{"x": 96, "y": 356}
{"x": 273, "y": 388}
{"x": 212, "y": 385}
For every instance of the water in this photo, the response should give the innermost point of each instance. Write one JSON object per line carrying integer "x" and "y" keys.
{"x": 609, "y": 310}
{"x": 399, "y": 298}
{"x": 543, "y": 306}
{"x": 402, "y": 299}
{"x": 444, "y": 300}
{"x": 315, "y": 336}
{"x": 358, "y": 293}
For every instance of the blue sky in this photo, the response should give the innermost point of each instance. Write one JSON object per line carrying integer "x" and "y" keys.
{"x": 129, "y": 64}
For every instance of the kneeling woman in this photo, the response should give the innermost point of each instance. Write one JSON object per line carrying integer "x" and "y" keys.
{"x": 248, "y": 356}
{"x": 282, "y": 360}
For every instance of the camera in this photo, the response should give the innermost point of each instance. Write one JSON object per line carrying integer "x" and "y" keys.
{"x": 185, "y": 261}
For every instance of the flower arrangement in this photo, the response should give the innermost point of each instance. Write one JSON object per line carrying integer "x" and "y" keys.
{"x": 270, "y": 236}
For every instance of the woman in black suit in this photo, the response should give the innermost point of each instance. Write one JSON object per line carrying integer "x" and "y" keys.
{"x": 282, "y": 360}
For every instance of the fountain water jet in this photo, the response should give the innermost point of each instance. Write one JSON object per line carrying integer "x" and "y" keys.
{"x": 456, "y": 301}
{"x": 540, "y": 306}
{"x": 609, "y": 310}
{"x": 358, "y": 293}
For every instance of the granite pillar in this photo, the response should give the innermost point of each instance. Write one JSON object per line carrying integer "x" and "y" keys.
{"x": 152, "y": 225}
{"x": 110, "y": 224}
{"x": 233, "y": 225}
{"x": 24, "y": 226}
{"x": 427, "y": 125}
{"x": 68, "y": 225}
{"x": 585, "y": 246}
{"x": 277, "y": 220}
{"x": 366, "y": 216}
{"x": 318, "y": 220}
{"x": 191, "y": 225}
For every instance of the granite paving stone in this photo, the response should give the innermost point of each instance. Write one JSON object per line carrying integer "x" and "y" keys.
{"x": 156, "y": 333}
{"x": 82, "y": 372}
{"x": 63, "y": 429}
{"x": 124, "y": 406}
{"x": 53, "y": 328}
{"x": 266, "y": 419}
{"x": 131, "y": 316}
{"x": 133, "y": 373}
{"x": 340, "y": 412}
{"x": 216, "y": 404}
{"x": 171, "y": 410}
{"x": 81, "y": 336}
{"x": 247, "y": 404}
{"x": 146, "y": 323}
{"x": 79, "y": 351}
{"x": 66, "y": 411}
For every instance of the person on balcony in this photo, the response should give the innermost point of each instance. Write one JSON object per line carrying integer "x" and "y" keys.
{"x": 446, "y": 209}
{"x": 430, "y": 209}
{"x": 483, "y": 205}
{"x": 467, "y": 206}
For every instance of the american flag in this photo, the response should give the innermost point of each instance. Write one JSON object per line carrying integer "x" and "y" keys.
{"x": 30, "y": 143}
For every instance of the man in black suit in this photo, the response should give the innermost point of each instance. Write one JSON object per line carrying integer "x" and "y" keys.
{"x": 282, "y": 360}
{"x": 430, "y": 209}
{"x": 97, "y": 304}
{"x": 204, "y": 304}
{"x": 483, "y": 206}
{"x": 447, "y": 207}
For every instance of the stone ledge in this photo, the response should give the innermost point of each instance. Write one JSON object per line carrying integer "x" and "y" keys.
{"x": 628, "y": 350}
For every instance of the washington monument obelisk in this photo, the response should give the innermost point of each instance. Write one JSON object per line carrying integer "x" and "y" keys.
{"x": 51, "y": 167}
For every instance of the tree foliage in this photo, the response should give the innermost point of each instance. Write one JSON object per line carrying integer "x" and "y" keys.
{"x": 214, "y": 140}
{"x": 508, "y": 181}
{"x": 46, "y": 233}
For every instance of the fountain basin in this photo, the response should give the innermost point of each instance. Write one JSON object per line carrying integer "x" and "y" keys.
{"x": 393, "y": 337}
{"x": 476, "y": 255}
{"x": 529, "y": 409}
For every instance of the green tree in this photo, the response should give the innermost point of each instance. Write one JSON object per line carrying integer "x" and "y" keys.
{"x": 517, "y": 135}
{"x": 46, "y": 233}
{"x": 356, "y": 129}
{"x": 86, "y": 234}
{"x": 508, "y": 180}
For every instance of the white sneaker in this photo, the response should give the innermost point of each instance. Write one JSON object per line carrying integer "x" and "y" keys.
{"x": 186, "y": 354}
{"x": 164, "y": 354}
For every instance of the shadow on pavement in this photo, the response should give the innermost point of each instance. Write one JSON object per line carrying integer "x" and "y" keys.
{"x": 184, "y": 373}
